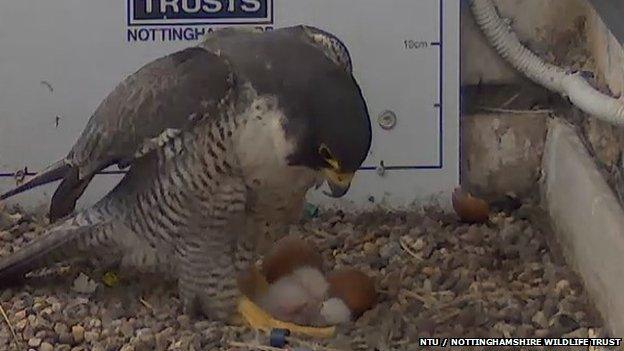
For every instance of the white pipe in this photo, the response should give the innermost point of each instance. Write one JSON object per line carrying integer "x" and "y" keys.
{"x": 580, "y": 93}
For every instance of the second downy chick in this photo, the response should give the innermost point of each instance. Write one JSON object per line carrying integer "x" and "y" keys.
{"x": 307, "y": 297}
{"x": 297, "y": 286}
{"x": 298, "y": 291}
{"x": 297, "y": 297}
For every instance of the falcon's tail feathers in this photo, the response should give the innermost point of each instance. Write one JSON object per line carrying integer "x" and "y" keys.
{"x": 55, "y": 245}
{"x": 52, "y": 173}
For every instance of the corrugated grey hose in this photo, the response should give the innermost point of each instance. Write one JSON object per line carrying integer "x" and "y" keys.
{"x": 571, "y": 85}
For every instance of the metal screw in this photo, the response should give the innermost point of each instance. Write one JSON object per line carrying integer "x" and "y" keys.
{"x": 20, "y": 175}
{"x": 381, "y": 169}
{"x": 387, "y": 120}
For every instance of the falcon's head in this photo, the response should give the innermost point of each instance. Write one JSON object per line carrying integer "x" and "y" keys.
{"x": 325, "y": 123}
{"x": 335, "y": 137}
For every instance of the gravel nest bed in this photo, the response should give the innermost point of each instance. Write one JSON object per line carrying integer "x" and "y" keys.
{"x": 436, "y": 277}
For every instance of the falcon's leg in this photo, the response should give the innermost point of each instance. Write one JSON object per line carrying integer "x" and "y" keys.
{"x": 207, "y": 277}
{"x": 207, "y": 255}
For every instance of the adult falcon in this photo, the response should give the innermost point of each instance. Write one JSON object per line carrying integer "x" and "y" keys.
{"x": 230, "y": 132}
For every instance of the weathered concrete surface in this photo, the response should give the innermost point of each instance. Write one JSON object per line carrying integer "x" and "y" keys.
{"x": 569, "y": 33}
{"x": 611, "y": 13}
{"x": 607, "y": 53}
{"x": 547, "y": 27}
{"x": 501, "y": 153}
{"x": 572, "y": 35}
{"x": 588, "y": 219}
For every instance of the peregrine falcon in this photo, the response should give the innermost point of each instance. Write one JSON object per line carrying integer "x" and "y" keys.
{"x": 230, "y": 132}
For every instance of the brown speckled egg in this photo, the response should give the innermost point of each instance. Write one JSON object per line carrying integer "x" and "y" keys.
{"x": 355, "y": 288}
{"x": 288, "y": 254}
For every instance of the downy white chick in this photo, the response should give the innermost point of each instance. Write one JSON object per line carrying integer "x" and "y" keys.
{"x": 293, "y": 288}
{"x": 297, "y": 297}
{"x": 306, "y": 297}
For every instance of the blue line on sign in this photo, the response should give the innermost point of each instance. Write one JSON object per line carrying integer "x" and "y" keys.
{"x": 460, "y": 108}
{"x": 30, "y": 174}
{"x": 13, "y": 175}
{"x": 399, "y": 168}
{"x": 441, "y": 92}
{"x": 439, "y": 106}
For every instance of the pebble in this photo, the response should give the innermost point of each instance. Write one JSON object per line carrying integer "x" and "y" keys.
{"x": 34, "y": 342}
{"x": 162, "y": 338}
{"x": 126, "y": 328}
{"x": 20, "y": 315}
{"x": 91, "y": 336}
{"x": 21, "y": 324}
{"x": 60, "y": 328}
{"x": 66, "y": 338}
{"x": 563, "y": 323}
{"x": 578, "y": 333}
{"x": 562, "y": 287}
{"x": 542, "y": 333}
{"x": 145, "y": 340}
{"x": 5, "y": 235}
{"x": 95, "y": 323}
{"x": 184, "y": 320}
{"x": 474, "y": 235}
{"x": 370, "y": 248}
{"x": 540, "y": 320}
{"x": 419, "y": 244}
{"x": 78, "y": 333}
{"x": 389, "y": 250}
{"x": 525, "y": 331}
{"x": 471, "y": 281}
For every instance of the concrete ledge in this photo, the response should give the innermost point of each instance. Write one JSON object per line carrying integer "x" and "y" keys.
{"x": 588, "y": 219}
{"x": 502, "y": 153}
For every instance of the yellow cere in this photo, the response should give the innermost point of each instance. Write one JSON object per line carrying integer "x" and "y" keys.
{"x": 333, "y": 163}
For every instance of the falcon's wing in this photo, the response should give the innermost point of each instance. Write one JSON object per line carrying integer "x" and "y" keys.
{"x": 167, "y": 93}
{"x": 164, "y": 94}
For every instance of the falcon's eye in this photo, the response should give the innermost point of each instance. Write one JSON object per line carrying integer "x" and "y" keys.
{"x": 328, "y": 157}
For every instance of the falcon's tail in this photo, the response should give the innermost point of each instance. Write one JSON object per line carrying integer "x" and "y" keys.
{"x": 57, "y": 244}
{"x": 54, "y": 172}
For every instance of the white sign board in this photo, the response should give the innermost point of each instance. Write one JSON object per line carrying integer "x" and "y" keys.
{"x": 59, "y": 59}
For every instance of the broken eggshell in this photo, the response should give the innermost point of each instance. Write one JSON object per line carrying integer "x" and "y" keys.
{"x": 354, "y": 288}
{"x": 288, "y": 254}
{"x": 470, "y": 209}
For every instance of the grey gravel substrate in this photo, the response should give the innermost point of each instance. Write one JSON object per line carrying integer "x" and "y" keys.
{"x": 436, "y": 277}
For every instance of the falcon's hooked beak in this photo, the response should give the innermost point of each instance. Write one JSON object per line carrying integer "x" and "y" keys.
{"x": 338, "y": 180}
{"x": 339, "y": 183}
